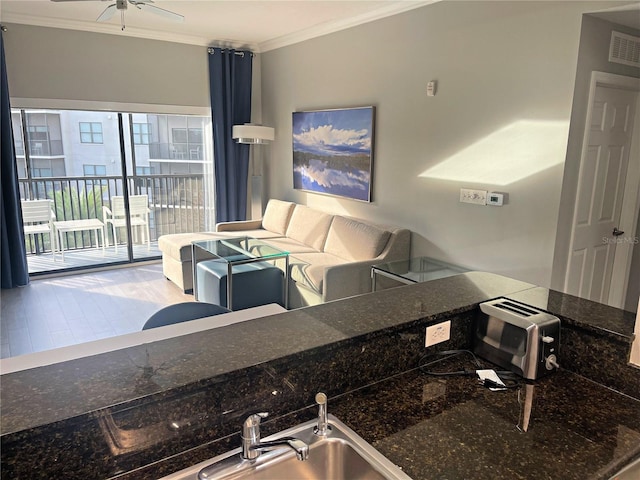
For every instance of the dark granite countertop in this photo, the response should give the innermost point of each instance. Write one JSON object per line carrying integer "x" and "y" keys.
{"x": 452, "y": 428}
{"x": 57, "y": 392}
{"x": 57, "y": 421}
{"x": 575, "y": 311}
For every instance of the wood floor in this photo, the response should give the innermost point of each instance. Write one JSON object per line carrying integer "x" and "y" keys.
{"x": 66, "y": 310}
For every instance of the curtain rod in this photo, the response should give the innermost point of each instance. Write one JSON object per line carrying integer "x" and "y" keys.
{"x": 211, "y": 50}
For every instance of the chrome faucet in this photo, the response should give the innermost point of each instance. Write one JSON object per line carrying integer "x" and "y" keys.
{"x": 322, "y": 428}
{"x": 251, "y": 449}
{"x": 252, "y": 446}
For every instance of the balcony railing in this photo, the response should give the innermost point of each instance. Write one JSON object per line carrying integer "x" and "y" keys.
{"x": 176, "y": 202}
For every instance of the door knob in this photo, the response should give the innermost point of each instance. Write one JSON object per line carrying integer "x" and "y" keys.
{"x": 616, "y": 232}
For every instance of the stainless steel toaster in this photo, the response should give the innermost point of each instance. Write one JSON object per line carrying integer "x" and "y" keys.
{"x": 517, "y": 337}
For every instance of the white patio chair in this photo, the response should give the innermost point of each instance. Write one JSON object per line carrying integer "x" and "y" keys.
{"x": 37, "y": 218}
{"x": 139, "y": 211}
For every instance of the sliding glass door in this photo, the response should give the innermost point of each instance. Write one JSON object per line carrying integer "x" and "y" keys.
{"x": 114, "y": 181}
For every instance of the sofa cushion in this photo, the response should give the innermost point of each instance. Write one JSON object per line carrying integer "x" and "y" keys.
{"x": 308, "y": 268}
{"x": 309, "y": 226}
{"x": 354, "y": 240}
{"x": 276, "y": 216}
{"x": 289, "y": 245}
{"x": 259, "y": 233}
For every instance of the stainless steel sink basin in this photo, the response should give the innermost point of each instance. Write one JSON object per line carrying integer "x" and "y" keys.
{"x": 630, "y": 472}
{"x": 340, "y": 455}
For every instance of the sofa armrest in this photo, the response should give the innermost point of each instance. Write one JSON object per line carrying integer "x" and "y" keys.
{"x": 238, "y": 226}
{"x": 354, "y": 278}
{"x": 348, "y": 279}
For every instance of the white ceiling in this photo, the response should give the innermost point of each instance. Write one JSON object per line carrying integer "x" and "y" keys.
{"x": 257, "y": 24}
{"x": 260, "y": 25}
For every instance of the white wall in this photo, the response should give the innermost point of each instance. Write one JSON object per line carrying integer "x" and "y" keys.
{"x": 498, "y": 64}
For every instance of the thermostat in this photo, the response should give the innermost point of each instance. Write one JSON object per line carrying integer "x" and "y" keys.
{"x": 496, "y": 199}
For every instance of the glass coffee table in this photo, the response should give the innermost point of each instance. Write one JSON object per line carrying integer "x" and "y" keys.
{"x": 233, "y": 252}
{"x": 414, "y": 270}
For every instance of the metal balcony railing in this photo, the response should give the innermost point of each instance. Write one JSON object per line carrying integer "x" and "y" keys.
{"x": 176, "y": 202}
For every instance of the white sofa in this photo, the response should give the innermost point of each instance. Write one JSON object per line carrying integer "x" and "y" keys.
{"x": 330, "y": 255}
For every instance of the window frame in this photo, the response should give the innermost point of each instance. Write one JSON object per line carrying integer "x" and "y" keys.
{"x": 93, "y": 134}
{"x": 143, "y": 138}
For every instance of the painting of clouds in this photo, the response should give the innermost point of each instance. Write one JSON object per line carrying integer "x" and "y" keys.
{"x": 332, "y": 152}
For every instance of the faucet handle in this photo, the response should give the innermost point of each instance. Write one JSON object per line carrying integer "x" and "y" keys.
{"x": 254, "y": 419}
{"x": 322, "y": 428}
{"x": 251, "y": 434}
{"x": 251, "y": 426}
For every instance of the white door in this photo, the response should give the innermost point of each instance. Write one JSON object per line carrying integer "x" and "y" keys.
{"x": 596, "y": 230}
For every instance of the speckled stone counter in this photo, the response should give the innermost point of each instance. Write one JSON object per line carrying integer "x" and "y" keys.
{"x": 596, "y": 339}
{"x": 149, "y": 410}
{"x": 453, "y": 428}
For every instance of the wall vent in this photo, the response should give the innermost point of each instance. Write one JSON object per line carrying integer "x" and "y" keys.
{"x": 624, "y": 49}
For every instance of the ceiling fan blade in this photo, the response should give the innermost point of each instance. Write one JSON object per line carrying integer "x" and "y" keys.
{"x": 176, "y": 17}
{"x": 107, "y": 14}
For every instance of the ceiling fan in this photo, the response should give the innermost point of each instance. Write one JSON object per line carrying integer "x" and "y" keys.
{"x": 121, "y": 5}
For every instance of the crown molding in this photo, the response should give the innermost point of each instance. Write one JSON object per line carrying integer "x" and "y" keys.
{"x": 283, "y": 41}
{"x": 130, "y": 31}
{"x": 336, "y": 26}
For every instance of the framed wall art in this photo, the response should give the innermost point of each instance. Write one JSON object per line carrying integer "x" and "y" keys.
{"x": 333, "y": 152}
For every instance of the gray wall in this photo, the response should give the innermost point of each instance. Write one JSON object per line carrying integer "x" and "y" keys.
{"x": 497, "y": 64}
{"x": 51, "y": 63}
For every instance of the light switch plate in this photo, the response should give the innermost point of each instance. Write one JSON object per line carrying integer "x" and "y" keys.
{"x": 477, "y": 197}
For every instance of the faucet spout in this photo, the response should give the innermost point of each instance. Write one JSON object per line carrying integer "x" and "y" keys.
{"x": 252, "y": 446}
{"x": 295, "y": 444}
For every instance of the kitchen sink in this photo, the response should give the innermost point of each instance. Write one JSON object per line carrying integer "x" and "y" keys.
{"x": 630, "y": 472}
{"x": 339, "y": 455}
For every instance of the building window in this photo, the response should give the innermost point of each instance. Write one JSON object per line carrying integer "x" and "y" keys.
{"x": 41, "y": 172}
{"x": 91, "y": 132}
{"x": 187, "y": 143}
{"x": 143, "y": 170}
{"x": 141, "y": 133}
{"x": 187, "y": 135}
{"x": 38, "y": 139}
{"x": 94, "y": 170}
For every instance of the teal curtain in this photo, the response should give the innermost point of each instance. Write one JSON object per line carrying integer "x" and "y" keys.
{"x": 13, "y": 254}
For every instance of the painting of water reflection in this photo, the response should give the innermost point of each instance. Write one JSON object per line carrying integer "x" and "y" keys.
{"x": 333, "y": 152}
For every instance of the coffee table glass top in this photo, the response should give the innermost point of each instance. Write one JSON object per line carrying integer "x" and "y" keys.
{"x": 239, "y": 248}
{"x": 418, "y": 270}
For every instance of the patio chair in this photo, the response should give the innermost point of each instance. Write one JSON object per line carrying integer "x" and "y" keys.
{"x": 182, "y": 312}
{"x": 116, "y": 216}
{"x": 37, "y": 218}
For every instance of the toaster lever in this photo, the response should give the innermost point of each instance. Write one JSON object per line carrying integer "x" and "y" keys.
{"x": 547, "y": 339}
{"x": 551, "y": 362}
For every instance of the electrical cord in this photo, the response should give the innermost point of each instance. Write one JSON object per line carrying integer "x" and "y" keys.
{"x": 510, "y": 379}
